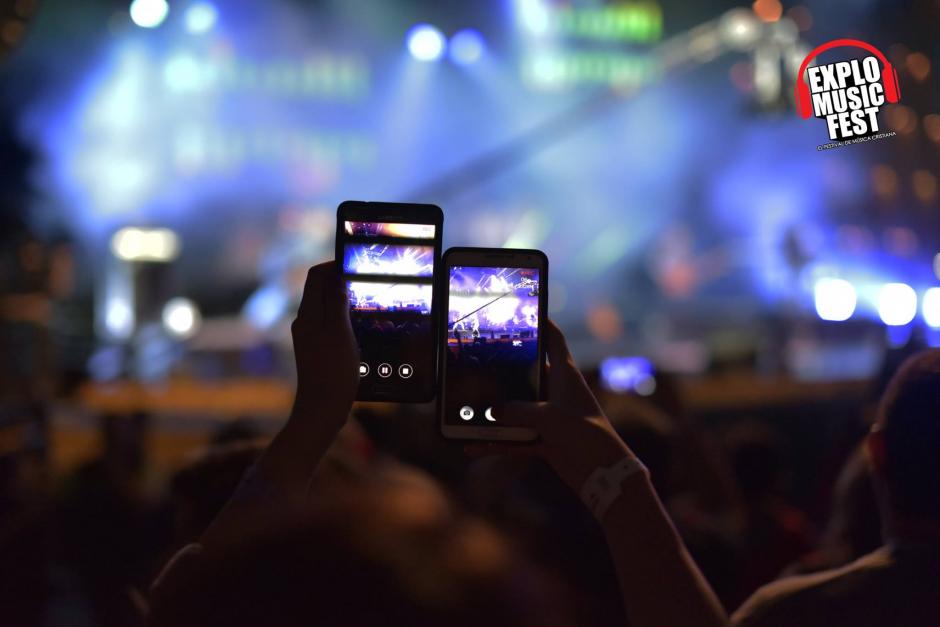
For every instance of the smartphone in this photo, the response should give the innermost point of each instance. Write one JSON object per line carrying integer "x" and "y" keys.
{"x": 495, "y": 302}
{"x": 389, "y": 255}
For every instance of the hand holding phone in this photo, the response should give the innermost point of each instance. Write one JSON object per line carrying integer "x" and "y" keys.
{"x": 388, "y": 253}
{"x": 324, "y": 347}
{"x": 495, "y": 301}
{"x": 575, "y": 436}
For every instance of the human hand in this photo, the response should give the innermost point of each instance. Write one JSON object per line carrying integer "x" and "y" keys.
{"x": 576, "y": 436}
{"x": 325, "y": 349}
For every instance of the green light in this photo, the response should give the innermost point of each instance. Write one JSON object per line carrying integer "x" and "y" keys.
{"x": 326, "y": 77}
{"x": 552, "y": 70}
{"x": 640, "y": 22}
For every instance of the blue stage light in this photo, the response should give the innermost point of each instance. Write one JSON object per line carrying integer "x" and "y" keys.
{"x": 628, "y": 374}
{"x": 425, "y": 42}
{"x": 466, "y": 47}
{"x": 931, "y": 307}
{"x": 149, "y": 13}
{"x": 897, "y": 304}
{"x": 200, "y": 17}
{"x": 835, "y": 299}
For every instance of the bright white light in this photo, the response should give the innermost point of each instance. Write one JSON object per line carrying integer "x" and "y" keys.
{"x": 533, "y": 15}
{"x": 897, "y": 304}
{"x": 740, "y": 28}
{"x": 931, "y": 307}
{"x": 200, "y": 17}
{"x": 119, "y": 319}
{"x": 425, "y": 42}
{"x": 149, "y": 13}
{"x": 466, "y": 46}
{"x": 181, "y": 317}
{"x": 182, "y": 73}
{"x": 835, "y": 299}
{"x": 135, "y": 244}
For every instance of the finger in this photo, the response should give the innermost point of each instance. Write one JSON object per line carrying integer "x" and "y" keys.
{"x": 521, "y": 414}
{"x": 335, "y": 298}
{"x": 311, "y": 302}
{"x": 477, "y": 450}
{"x": 557, "y": 345}
{"x": 564, "y": 373}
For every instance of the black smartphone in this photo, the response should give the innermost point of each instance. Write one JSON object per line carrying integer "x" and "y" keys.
{"x": 388, "y": 254}
{"x": 495, "y": 302}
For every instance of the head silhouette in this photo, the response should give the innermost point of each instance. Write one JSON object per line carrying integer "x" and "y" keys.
{"x": 393, "y": 551}
{"x": 905, "y": 443}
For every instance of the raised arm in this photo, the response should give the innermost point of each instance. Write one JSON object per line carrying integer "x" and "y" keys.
{"x": 659, "y": 581}
{"x": 327, "y": 378}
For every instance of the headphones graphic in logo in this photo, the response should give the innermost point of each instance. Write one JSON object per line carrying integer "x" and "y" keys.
{"x": 847, "y": 94}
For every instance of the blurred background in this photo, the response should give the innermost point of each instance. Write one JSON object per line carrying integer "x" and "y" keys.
{"x": 169, "y": 169}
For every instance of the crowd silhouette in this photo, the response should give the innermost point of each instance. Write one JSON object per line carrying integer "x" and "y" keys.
{"x": 351, "y": 516}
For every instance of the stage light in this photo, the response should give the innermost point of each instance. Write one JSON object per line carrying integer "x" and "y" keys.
{"x": 533, "y": 15}
{"x": 931, "y": 307}
{"x": 768, "y": 10}
{"x": 466, "y": 46}
{"x": 135, "y": 244}
{"x": 628, "y": 374}
{"x": 637, "y": 22}
{"x": 181, "y": 318}
{"x": 897, "y": 304}
{"x": 425, "y": 42}
{"x": 119, "y": 318}
{"x": 200, "y": 17}
{"x": 149, "y": 13}
{"x": 182, "y": 73}
{"x": 740, "y": 28}
{"x": 835, "y": 299}
{"x": 550, "y": 70}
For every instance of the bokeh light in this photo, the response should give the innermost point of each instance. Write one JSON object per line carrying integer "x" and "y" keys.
{"x": 200, "y": 17}
{"x": 466, "y": 46}
{"x": 897, "y": 304}
{"x": 425, "y": 42}
{"x": 181, "y": 318}
{"x": 931, "y": 307}
{"x": 835, "y": 299}
{"x": 925, "y": 186}
{"x": 768, "y": 10}
{"x": 149, "y": 13}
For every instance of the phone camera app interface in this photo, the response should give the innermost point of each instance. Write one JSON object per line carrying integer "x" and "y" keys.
{"x": 492, "y": 341}
{"x": 389, "y": 272}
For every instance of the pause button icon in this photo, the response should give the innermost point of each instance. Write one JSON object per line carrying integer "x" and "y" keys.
{"x": 384, "y": 370}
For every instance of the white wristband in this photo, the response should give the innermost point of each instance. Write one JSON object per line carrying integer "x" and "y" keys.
{"x": 602, "y": 487}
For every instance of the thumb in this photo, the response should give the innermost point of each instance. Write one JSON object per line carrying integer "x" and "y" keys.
{"x": 476, "y": 450}
{"x": 336, "y": 300}
{"x": 522, "y": 414}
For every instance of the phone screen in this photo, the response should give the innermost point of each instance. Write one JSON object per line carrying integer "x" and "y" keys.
{"x": 492, "y": 351}
{"x": 389, "y": 272}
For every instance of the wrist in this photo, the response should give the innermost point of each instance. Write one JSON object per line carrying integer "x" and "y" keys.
{"x": 605, "y": 485}
{"x": 317, "y": 413}
{"x": 612, "y": 451}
